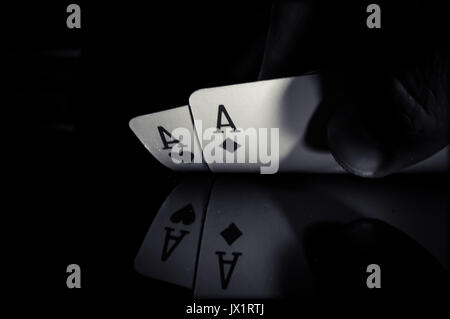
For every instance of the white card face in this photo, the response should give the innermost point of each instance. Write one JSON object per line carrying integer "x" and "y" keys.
{"x": 170, "y": 249}
{"x": 287, "y": 104}
{"x": 170, "y": 137}
{"x": 252, "y": 243}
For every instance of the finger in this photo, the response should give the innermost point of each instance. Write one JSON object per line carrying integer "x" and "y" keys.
{"x": 390, "y": 119}
{"x": 387, "y": 114}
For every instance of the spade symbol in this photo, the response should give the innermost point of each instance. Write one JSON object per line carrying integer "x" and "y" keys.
{"x": 185, "y": 215}
{"x": 182, "y": 155}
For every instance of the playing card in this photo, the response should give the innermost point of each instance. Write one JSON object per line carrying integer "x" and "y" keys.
{"x": 260, "y": 233}
{"x": 252, "y": 244}
{"x": 279, "y": 111}
{"x": 170, "y": 137}
{"x": 265, "y": 127}
{"x": 169, "y": 250}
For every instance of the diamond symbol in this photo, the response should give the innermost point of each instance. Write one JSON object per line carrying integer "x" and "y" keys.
{"x": 231, "y": 233}
{"x": 230, "y": 145}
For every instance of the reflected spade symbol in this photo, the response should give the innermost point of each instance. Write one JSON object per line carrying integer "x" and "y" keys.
{"x": 186, "y": 215}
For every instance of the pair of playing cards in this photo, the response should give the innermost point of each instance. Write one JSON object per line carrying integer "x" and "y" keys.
{"x": 252, "y": 236}
{"x": 251, "y": 127}
{"x": 265, "y": 126}
{"x": 209, "y": 238}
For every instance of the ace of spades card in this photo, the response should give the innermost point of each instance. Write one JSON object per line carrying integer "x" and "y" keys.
{"x": 160, "y": 133}
{"x": 169, "y": 250}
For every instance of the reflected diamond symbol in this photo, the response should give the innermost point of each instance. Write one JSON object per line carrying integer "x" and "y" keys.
{"x": 231, "y": 233}
{"x": 230, "y": 145}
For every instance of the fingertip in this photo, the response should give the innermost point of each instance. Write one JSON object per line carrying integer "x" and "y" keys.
{"x": 355, "y": 146}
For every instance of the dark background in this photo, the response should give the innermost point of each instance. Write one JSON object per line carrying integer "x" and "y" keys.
{"x": 85, "y": 190}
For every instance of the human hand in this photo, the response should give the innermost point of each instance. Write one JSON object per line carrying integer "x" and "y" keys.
{"x": 387, "y": 90}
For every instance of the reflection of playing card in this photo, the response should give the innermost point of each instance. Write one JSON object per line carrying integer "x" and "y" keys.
{"x": 157, "y": 132}
{"x": 287, "y": 104}
{"x": 401, "y": 201}
{"x": 251, "y": 247}
{"x": 260, "y": 234}
{"x": 169, "y": 251}
{"x": 436, "y": 163}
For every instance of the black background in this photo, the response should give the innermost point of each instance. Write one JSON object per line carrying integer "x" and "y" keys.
{"x": 86, "y": 190}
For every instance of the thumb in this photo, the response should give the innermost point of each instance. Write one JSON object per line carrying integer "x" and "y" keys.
{"x": 387, "y": 120}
